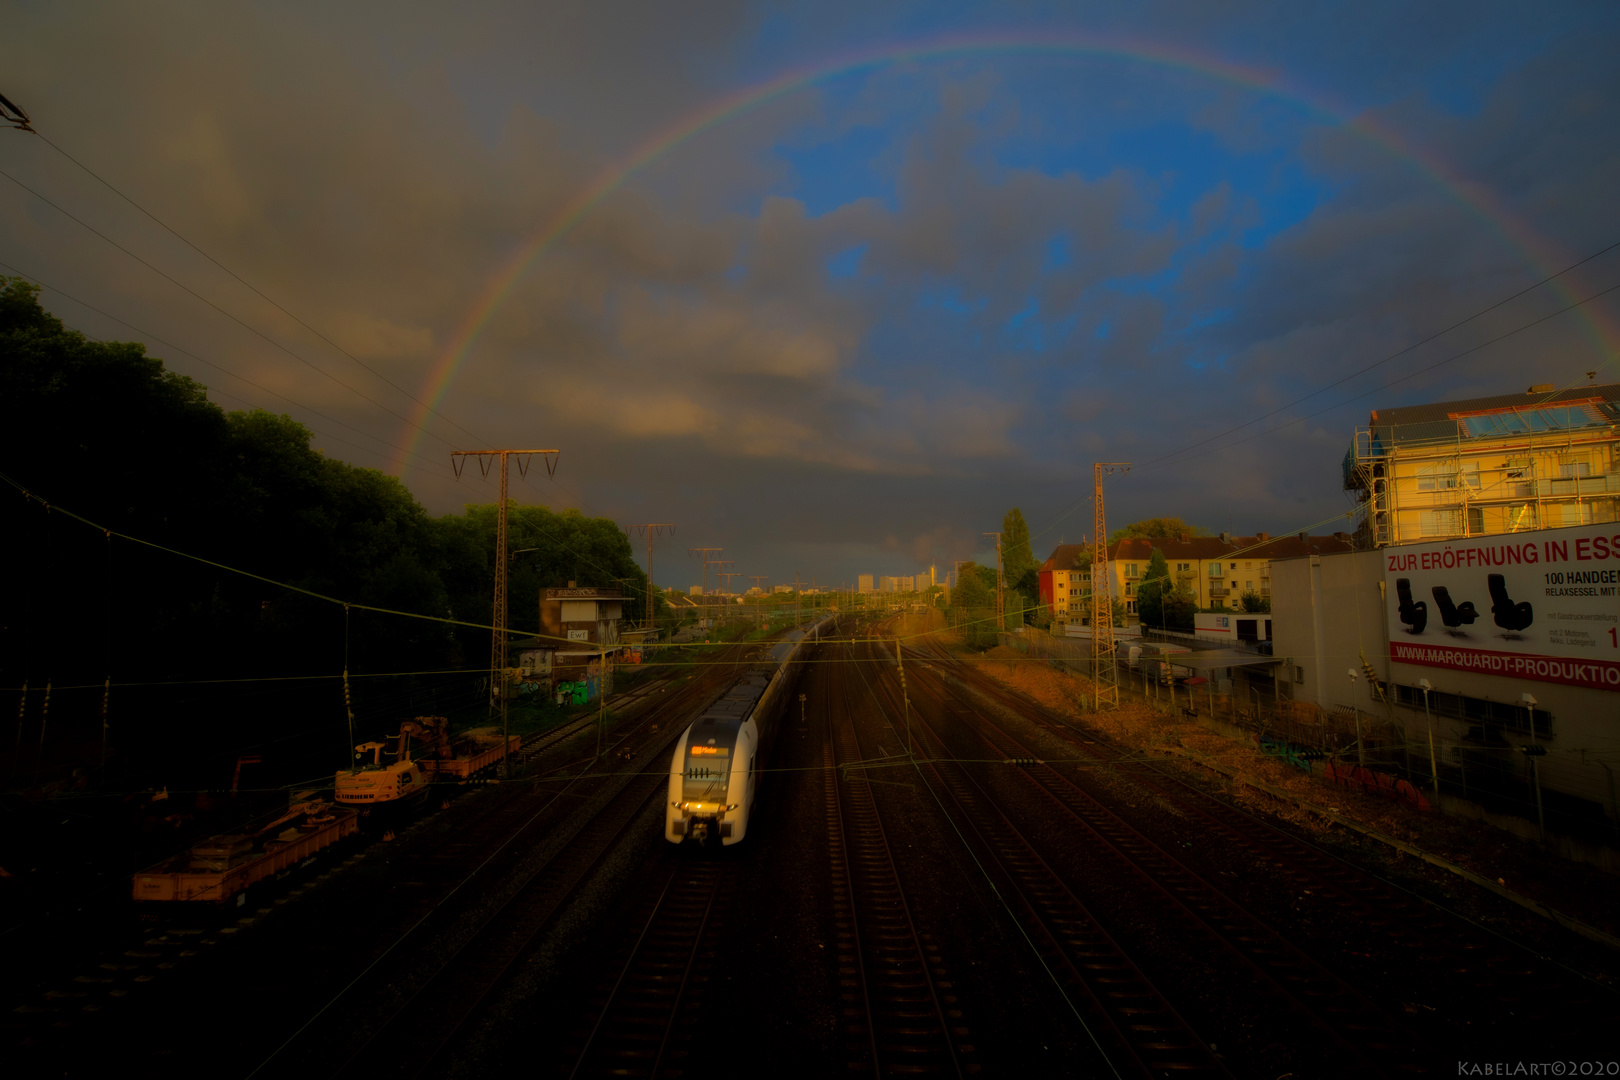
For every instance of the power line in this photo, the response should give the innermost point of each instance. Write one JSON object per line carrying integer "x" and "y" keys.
{"x": 1414, "y": 374}
{"x": 1394, "y": 355}
{"x": 1067, "y": 510}
{"x": 254, "y": 289}
{"x": 258, "y": 333}
{"x": 217, "y": 367}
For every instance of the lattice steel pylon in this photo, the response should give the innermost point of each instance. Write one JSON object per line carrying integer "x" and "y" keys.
{"x": 1104, "y": 671}
{"x": 497, "y": 639}
{"x": 653, "y": 529}
{"x": 1001, "y": 583}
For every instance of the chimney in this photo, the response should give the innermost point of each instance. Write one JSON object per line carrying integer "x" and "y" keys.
{"x": 1542, "y": 388}
{"x": 1342, "y": 537}
{"x": 1185, "y": 538}
{"x": 573, "y": 584}
{"x": 1262, "y": 537}
{"x": 1304, "y": 537}
{"x": 1226, "y": 538}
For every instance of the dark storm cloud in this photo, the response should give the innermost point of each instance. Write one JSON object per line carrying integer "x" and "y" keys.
{"x": 997, "y": 320}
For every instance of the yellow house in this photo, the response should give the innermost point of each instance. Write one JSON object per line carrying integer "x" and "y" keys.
{"x": 1217, "y": 570}
{"x": 1540, "y": 459}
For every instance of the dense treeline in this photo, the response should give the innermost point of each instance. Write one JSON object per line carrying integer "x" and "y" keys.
{"x": 104, "y": 431}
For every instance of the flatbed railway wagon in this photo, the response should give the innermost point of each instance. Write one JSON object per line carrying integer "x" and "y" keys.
{"x": 472, "y": 753}
{"x": 221, "y": 867}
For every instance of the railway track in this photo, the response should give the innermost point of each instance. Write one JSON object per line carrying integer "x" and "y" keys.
{"x": 1457, "y": 955}
{"x": 1134, "y": 1026}
{"x": 899, "y": 1008}
{"x": 406, "y": 1013}
{"x": 641, "y": 1016}
{"x": 1363, "y": 1036}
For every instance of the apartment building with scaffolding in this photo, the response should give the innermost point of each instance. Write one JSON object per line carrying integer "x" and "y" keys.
{"x": 1514, "y": 462}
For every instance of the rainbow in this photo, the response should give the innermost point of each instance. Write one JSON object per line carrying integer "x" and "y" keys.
{"x": 1539, "y": 253}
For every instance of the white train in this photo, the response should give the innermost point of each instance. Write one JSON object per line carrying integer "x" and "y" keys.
{"x": 714, "y": 774}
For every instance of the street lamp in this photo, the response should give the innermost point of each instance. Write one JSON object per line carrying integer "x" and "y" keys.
{"x": 1361, "y": 753}
{"x": 1428, "y": 718}
{"x": 1534, "y": 751}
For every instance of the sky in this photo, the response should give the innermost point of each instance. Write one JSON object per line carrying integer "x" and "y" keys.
{"x": 832, "y": 286}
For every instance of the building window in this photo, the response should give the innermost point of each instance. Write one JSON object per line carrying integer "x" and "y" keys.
{"x": 1234, "y": 566}
{"x": 1183, "y": 567}
{"x": 1575, "y": 466}
{"x": 1130, "y": 607}
{"x": 1130, "y": 570}
{"x": 1440, "y": 523}
{"x": 1214, "y": 569}
{"x": 1577, "y": 513}
{"x": 1249, "y": 585}
{"x": 1476, "y": 521}
{"x": 1299, "y": 675}
{"x": 1470, "y": 474}
{"x": 1508, "y": 716}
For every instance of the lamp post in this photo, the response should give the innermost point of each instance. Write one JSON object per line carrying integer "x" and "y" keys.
{"x": 1534, "y": 751}
{"x": 1361, "y": 753}
{"x": 1428, "y": 718}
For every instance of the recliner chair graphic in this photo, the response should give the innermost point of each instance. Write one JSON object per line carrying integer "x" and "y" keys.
{"x": 1453, "y": 614}
{"x": 1509, "y": 616}
{"x": 1415, "y": 615}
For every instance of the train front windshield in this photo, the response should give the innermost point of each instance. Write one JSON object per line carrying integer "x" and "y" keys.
{"x": 707, "y": 769}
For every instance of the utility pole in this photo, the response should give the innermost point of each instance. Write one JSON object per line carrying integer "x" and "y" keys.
{"x": 1001, "y": 619}
{"x": 703, "y": 552}
{"x": 497, "y": 641}
{"x": 652, "y": 529}
{"x": 756, "y": 579}
{"x": 1103, "y": 667}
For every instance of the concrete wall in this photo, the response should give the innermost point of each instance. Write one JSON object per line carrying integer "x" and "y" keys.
{"x": 1329, "y": 610}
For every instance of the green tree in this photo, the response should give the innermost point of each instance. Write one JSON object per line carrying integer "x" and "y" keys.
{"x": 1018, "y": 561}
{"x": 1253, "y": 601}
{"x": 1159, "y": 528}
{"x": 975, "y": 586}
{"x": 1160, "y": 602}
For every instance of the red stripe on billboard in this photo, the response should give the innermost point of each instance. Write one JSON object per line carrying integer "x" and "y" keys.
{"x": 1596, "y": 674}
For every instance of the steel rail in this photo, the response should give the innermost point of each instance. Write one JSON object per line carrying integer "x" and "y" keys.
{"x": 1141, "y": 1023}
{"x": 438, "y": 914}
{"x": 908, "y": 1030}
{"x": 1308, "y": 988}
{"x": 644, "y": 1003}
{"x": 1494, "y": 967}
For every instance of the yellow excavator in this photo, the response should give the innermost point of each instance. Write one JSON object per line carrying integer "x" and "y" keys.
{"x": 374, "y": 784}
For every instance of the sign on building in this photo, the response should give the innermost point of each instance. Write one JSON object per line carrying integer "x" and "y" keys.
{"x": 1539, "y": 605}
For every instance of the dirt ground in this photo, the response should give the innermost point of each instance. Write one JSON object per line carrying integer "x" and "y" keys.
{"x": 1578, "y": 890}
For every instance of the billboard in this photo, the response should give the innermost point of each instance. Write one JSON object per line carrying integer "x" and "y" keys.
{"x": 1542, "y": 606}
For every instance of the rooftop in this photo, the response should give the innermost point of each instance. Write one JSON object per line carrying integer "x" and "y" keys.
{"x": 1194, "y": 548}
{"x": 581, "y": 592}
{"x": 1540, "y": 408}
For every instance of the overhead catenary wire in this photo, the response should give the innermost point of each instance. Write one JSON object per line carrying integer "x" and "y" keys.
{"x": 240, "y": 322}
{"x": 245, "y": 283}
{"x": 1055, "y": 520}
{"x": 218, "y": 367}
{"x": 1411, "y": 375}
{"x": 1438, "y": 334}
